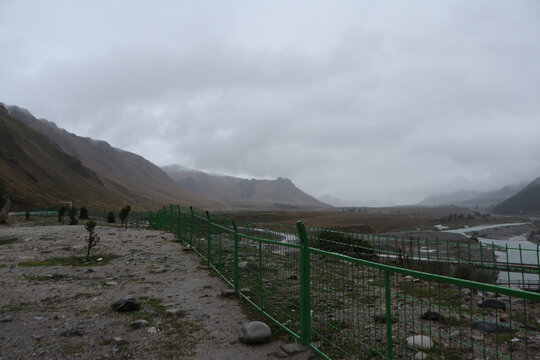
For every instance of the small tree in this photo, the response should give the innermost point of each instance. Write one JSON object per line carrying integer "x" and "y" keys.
{"x": 61, "y": 213}
{"x": 124, "y": 214}
{"x": 83, "y": 213}
{"x": 93, "y": 239}
{"x": 111, "y": 218}
{"x": 72, "y": 213}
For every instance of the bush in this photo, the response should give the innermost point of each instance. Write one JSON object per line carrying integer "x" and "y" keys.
{"x": 72, "y": 213}
{"x": 124, "y": 214}
{"x": 111, "y": 218}
{"x": 83, "y": 213}
{"x": 345, "y": 244}
{"x": 93, "y": 239}
{"x": 61, "y": 213}
{"x": 3, "y": 194}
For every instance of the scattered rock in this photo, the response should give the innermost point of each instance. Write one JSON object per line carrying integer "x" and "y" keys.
{"x": 38, "y": 318}
{"x": 246, "y": 291}
{"x": 293, "y": 348}
{"x": 139, "y": 324}
{"x": 152, "y": 330}
{"x": 161, "y": 270}
{"x": 127, "y": 303}
{"x": 111, "y": 283}
{"x": 71, "y": 332}
{"x": 89, "y": 270}
{"x": 255, "y": 332}
{"x": 293, "y": 277}
{"x": 381, "y": 318}
{"x": 421, "y": 355}
{"x": 37, "y": 336}
{"x": 6, "y": 319}
{"x": 118, "y": 339}
{"x": 228, "y": 292}
{"x": 421, "y": 342}
{"x": 492, "y": 303}
{"x": 490, "y": 327}
{"x": 455, "y": 334}
{"x": 175, "y": 312}
{"x": 431, "y": 315}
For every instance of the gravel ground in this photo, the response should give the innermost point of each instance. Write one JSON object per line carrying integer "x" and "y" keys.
{"x": 64, "y": 312}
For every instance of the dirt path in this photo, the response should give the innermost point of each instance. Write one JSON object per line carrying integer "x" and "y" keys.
{"x": 64, "y": 312}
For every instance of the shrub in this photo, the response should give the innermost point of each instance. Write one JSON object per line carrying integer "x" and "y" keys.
{"x": 92, "y": 239}
{"x": 111, "y": 218}
{"x": 83, "y": 213}
{"x": 72, "y": 213}
{"x": 345, "y": 244}
{"x": 3, "y": 194}
{"x": 124, "y": 214}
{"x": 61, "y": 213}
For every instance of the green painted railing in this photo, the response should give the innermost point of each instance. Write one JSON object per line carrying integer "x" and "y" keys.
{"x": 359, "y": 297}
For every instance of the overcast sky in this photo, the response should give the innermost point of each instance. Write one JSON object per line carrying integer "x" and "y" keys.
{"x": 372, "y": 102}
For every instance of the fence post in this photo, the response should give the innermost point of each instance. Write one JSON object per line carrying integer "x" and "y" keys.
{"x": 179, "y": 222}
{"x": 236, "y": 281}
{"x": 389, "y": 354}
{"x": 209, "y": 250}
{"x": 191, "y": 227}
{"x": 305, "y": 305}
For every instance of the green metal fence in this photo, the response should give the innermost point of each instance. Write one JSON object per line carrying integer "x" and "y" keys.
{"x": 357, "y": 297}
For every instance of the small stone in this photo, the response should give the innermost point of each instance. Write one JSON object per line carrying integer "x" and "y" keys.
{"x": 160, "y": 270}
{"x": 228, "y": 292}
{"x": 117, "y": 339}
{"x": 490, "y": 327}
{"x": 420, "y": 356}
{"x": 381, "y": 318}
{"x": 6, "y": 319}
{"x": 246, "y": 291}
{"x": 431, "y": 315}
{"x": 37, "y": 336}
{"x": 175, "y": 312}
{"x": 89, "y": 270}
{"x": 139, "y": 324}
{"x": 421, "y": 342}
{"x": 152, "y": 330}
{"x": 127, "y": 303}
{"x": 37, "y": 318}
{"x": 293, "y": 348}
{"x": 71, "y": 332}
{"x": 455, "y": 334}
{"x": 255, "y": 332}
{"x": 293, "y": 277}
{"x": 408, "y": 278}
{"x": 492, "y": 303}
{"x": 111, "y": 283}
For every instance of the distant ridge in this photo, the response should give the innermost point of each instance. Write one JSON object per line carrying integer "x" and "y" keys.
{"x": 527, "y": 200}
{"x": 127, "y": 177}
{"x": 280, "y": 193}
{"x": 473, "y": 199}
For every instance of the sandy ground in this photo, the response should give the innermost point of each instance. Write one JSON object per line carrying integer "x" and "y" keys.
{"x": 64, "y": 312}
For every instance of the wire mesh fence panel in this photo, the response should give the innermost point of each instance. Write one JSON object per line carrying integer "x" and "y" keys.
{"x": 367, "y": 297}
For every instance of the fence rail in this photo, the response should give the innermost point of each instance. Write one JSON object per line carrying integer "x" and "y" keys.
{"x": 358, "y": 297}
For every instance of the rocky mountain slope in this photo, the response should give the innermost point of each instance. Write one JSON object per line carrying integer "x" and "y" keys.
{"x": 526, "y": 200}
{"x": 238, "y": 192}
{"x": 473, "y": 199}
{"x": 123, "y": 177}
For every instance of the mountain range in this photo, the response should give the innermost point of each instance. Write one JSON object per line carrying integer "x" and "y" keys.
{"x": 247, "y": 193}
{"x": 43, "y": 164}
{"x": 526, "y": 200}
{"x": 483, "y": 200}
